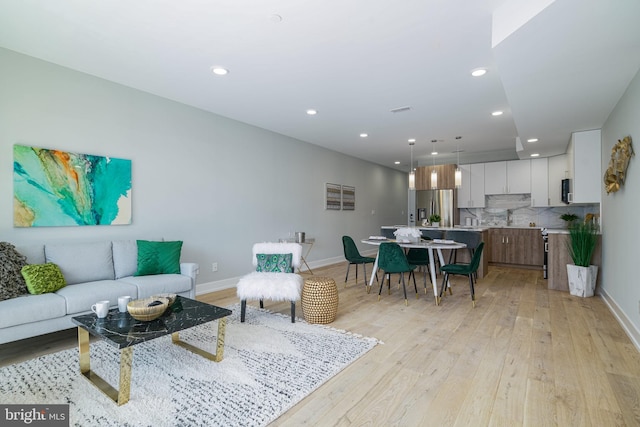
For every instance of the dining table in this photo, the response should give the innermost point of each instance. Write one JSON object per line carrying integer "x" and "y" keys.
{"x": 436, "y": 245}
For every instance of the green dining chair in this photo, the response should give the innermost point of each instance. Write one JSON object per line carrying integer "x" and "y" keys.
{"x": 352, "y": 255}
{"x": 420, "y": 258}
{"x": 463, "y": 270}
{"x": 391, "y": 259}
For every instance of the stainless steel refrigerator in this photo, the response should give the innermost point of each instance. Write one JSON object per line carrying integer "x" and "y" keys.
{"x": 441, "y": 202}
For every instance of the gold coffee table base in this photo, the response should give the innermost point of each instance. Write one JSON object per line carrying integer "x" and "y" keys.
{"x": 121, "y": 395}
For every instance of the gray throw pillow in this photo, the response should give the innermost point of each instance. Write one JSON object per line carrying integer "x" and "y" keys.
{"x": 12, "y": 283}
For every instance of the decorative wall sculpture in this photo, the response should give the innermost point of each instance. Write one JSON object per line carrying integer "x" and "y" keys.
{"x": 621, "y": 153}
{"x": 57, "y": 188}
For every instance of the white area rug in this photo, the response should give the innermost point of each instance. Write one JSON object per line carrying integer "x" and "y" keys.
{"x": 269, "y": 365}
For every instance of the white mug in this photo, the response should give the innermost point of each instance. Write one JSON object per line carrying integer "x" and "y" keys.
{"x": 122, "y": 303}
{"x": 101, "y": 308}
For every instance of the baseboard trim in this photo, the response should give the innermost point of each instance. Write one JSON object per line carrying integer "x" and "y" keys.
{"x": 629, "y": 328}
{"x": 208, "y": 287}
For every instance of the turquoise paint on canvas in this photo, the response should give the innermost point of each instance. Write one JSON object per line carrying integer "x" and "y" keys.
{"x": 57, "y": 188}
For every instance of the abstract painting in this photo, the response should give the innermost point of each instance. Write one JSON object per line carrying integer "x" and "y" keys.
{"x": 57, "y": 188}
{"x": 348, "y": 198}
{"x": 332, "y": 197}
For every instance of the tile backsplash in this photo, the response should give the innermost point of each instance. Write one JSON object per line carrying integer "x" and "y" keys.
{"x": 518, "y": 208}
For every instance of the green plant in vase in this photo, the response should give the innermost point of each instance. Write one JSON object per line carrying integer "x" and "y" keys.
{"x": 434, "y": 219}
{"x": 582, "y": 276}
{"x": 569, "y": 218}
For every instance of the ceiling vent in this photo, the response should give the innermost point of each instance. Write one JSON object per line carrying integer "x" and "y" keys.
{"x": 400, "y": 109}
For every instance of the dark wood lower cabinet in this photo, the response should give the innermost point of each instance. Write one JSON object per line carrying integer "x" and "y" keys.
{"x": 516, "y": 246}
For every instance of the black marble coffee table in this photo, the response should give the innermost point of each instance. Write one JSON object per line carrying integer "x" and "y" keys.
{"x": 123, "y": 332}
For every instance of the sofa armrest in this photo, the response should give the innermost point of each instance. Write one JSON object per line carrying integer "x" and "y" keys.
{"x": 190, "y": 269}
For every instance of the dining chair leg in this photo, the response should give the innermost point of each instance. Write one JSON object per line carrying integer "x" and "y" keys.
{"x": 347, "y": 276}
{"x": 413, "y": 273}
{"x": 445, "y": 276}
{"x": 404, "y": 289}
{"x": 381, "y": 285}
{"x": 364, "y": 269}
{"x": 243, "y": 310}
{"x": 471, "y": 288}
{"x": 293, "y": 312}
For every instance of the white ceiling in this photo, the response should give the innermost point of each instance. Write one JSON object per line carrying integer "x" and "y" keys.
{"x": 563, "y": 70}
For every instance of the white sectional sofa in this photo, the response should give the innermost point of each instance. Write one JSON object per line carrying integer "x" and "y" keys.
{"x": 93, "y": 272}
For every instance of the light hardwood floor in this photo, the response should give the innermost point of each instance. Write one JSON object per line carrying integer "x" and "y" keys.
{"x": 524, "y": 356}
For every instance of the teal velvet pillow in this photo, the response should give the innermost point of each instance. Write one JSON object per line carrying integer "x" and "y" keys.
{"x": 274, "y": 263}
{"x": 158, "y": 257}
{"x": 43, "y": 278}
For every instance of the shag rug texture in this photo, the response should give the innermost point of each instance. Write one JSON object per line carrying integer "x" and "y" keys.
{"x": 269, "y": 365}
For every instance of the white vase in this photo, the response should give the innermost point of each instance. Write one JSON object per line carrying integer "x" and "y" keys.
{"x": 435, "y": 224}
{"x": 582, "y": 280}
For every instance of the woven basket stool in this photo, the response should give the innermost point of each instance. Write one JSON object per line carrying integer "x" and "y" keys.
{"x": 319, "y": 299}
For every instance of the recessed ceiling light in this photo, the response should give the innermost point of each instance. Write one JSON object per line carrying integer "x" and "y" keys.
{"x": 535, "y": 155}
{"x": 496, "y": 113}
{"x": 434, "y": 153}
{"x": 478, "y": 72}
{"x": 364, "y": 135}
{"x": 219, "y": 71}
{"x": 412, "y": 140}
{"x": 396, "y": 163}
{"x": 532, "y": 140}
{"x": 312, "y": 112}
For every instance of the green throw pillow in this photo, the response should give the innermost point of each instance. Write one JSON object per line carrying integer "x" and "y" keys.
{"x": 158, "y": 257}
{"x": 274, "y": 263}
{"x": 43, "y": 278}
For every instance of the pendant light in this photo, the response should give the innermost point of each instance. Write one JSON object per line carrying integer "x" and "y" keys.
{"x": 434, "y": 174}
{"x": 412, "y": 173}
{"x": 458, "y": 174}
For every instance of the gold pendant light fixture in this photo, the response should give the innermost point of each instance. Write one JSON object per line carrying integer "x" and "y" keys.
{"x": 412, "y": 172}
{"x": 458, "y": 174}
{"x": 434, "y": 174}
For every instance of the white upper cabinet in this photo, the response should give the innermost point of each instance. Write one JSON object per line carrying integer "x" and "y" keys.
{"x": 510, "y": 177}
{"x": 540, "y": 182}
{"x": 519, "y": 176}
{"x": 585, "y": 167}
{"x": 471, "y": 193}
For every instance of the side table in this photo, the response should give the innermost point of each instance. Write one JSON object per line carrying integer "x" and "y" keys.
{"x": 319, "y": 299}
{"x": 309, "y": 244}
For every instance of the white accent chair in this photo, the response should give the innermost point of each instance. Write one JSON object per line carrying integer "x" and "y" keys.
{"x": 277, "y": 286}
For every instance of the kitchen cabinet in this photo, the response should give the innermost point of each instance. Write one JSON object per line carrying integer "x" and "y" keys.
{"x": 471, "y": 192}
{"x": 510, "y": 177}
{"x": 446, "y": 177}
{"x": 585, "y": 168}
{"x": 540, "y": 182}
{"x": 516, "y": 246}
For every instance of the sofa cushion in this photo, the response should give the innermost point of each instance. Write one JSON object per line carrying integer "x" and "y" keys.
{"x": 34, "y": 253}
{"x": 80, "y": 298}
{"x": 158, "y": 257}
{"x": 159, "y": 284}
{"x": 12, "y": 283}
{"x": 43, "y": 278}
{"x": 82, "y": 262}
{"x": 31, "y": 308}
{"x": 125, "y": 258}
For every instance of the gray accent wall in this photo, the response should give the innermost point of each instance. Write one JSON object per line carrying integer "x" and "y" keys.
{"x": 217, "y": 184}
{"x": 620, "y": 217}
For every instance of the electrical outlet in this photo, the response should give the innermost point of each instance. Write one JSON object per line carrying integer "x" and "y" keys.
{"x": 214, "y": 267}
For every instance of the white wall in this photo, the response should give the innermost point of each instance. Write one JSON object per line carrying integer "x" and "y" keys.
{"x": 620, "y": 225}
{"x": 217, "y": 184}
